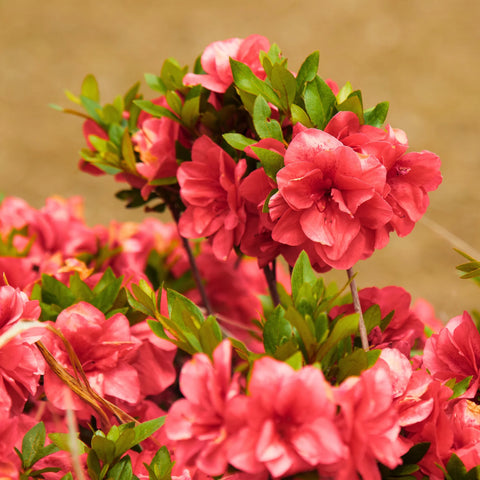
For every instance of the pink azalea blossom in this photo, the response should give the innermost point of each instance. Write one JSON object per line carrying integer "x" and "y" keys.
{"x": 403, "y": 330}
{"x": 156, "y": 142}
{"x": 196, "y": 424}
{"x": 455, "y": 353}
{"x": 369, "y": 425}
{"x": 209, "y": 189}
{"x": 331, "y": 198}
{"x": 106, "y": 350}
{"x": 410, "y": 176}
{"x": 287, "y": 422}
{"x": 21, "y": 364}
{"x": 216, "y": 61}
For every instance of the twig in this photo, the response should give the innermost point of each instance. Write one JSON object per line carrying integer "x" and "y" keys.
{"x": 356, "y": 305}
{"x": 271, "y": 276}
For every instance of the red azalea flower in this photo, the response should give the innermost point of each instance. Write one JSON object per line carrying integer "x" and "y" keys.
{"x": 369, "y": 425}
{"x": 216, "y": 61}
{"x": 455, "y": 353}
{"x": 410, "y": 175}
{"x": 286, "y": 424}
{"x": 196, "y": 424}
{"x": 331, "y": 198}
{"x": 403, "y": 329}
{"x": 106, "y": 350}
{"x": 209, "y": 188}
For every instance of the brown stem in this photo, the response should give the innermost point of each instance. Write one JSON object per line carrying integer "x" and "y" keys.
{"x": 356, "y": 305}
{"x": 271, "y": 276}
{"x": 191, "y": 260}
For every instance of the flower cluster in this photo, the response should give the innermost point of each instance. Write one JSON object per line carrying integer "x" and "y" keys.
{"x": 210, "y": 347}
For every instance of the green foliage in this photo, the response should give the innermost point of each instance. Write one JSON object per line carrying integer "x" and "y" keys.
{"x": 54, "y": 296}
{"x": 456, "y": 470}
{"x": 33, "y": 450}
{"x": 376, "y": 116}
{"x": 319, "y": 102}
{"x": 161, "y": 465}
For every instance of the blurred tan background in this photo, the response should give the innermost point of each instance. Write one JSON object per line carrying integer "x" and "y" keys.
{"x": 421, "y": 55}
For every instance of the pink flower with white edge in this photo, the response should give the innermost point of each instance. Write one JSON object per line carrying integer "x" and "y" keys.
{"x": 209, "y": 187}
{"x": 454, "y": 352}
{"x": 331, "y": 198}
{"x": 369, "y": 424}
{"x": 106, "y": 349}
{"x": 410, "y": 175}
{"x": 286, "y": 424}
{"x": 216, "y": 61}
{"x": 196, "y": 425}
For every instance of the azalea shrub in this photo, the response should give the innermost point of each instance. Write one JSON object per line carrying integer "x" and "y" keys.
{"x": 210, "y": 345}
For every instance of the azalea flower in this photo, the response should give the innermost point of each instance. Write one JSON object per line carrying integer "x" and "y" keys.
{"x": 455, "y": 353}
{"x": 209, "y": 189}
{"x": 331, "y": 198}
{"x": 369, "y": 425}
{"x": 196, "y": 425}
{"x": 216, "y": 61}
{"x": 106, "y": 349}
{"x": 287, "y": 422}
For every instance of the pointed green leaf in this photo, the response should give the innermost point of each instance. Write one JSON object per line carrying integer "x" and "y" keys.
{"x": 302, "y": 273}
{"x": 353, "y": 103}
{"x": 121, "y": 470}
{"x": 238, "y": 141}
{"x": 264, "y": 125}
{"x": 277, "y": 331}
{"x": 129, "y": 159}
{"x": 299, "y": 115}
{"x": 284, "y": 83}
{"x": 155, "y": 83}
{"x": 376, "y": 116}
{"x": 271, "y": 161}
{"x": 155, "y": 110}
{"x": 319, "y": 102}
{"x": 308, "y": 70}
{"x": 90, "y": 88}
{"x": 32, "y": 445}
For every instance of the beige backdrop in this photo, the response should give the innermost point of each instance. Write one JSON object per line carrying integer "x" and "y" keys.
{"x": 421, "y": 55}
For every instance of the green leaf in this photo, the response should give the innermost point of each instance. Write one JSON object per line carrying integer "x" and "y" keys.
{"x": 345, "y": 327}
{"x": 308, "y": 70}
{"x": 461, "y": 387}
{"x": 372, "y": 317}
{"x": 172, "y": 74}
{"x": 54, "y": 291}
{"x": 319, "y": 102}
{"x": 191, "y": 111}
{"x": 155, "y": 110}
{"x": 32, "y": 445}
{"x": 155, "y": 83}
{"x": 210, "y": 335}
{"x": 271, "y": 161}
{"x": 129, "y": 159}
{"x": 63, "y": 442}
{"x": 355, "y": 363}
{"x": 92, "y": 108}
{"x": 104, "y": 448}
{"x": 246, "y": 80}
{"x": 174, "y": 102}
{"x": 416, "y": 453}
{"x": 110, "y": 114}
{"x": 130, "y": 96}
{"x": 121, "y": 470}
{"x": 148, "y": 428}
{"x": 353, "y": 103}
{"x": 264, "y": 125}
{"x": 161, "y": 465}
{"x": 302, "y": 273}
{"x": 238, "y": 141}
{"x": 284, "y": 83}
{"x": 376, "y": 116}
{"x": 90, "y": 88}
{"x": 299, "y": 115}
{"x": 456, "y": 468}
{"x": 277, "y": 331}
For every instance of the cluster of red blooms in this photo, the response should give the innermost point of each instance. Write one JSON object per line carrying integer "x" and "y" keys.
{"x": 290, "y": 184}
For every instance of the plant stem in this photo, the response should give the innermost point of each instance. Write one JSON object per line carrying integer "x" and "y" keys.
{"x": 356, "y": 305}
{"x": 270, "y": 273}
{"x": 191, "y": 260}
